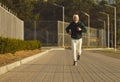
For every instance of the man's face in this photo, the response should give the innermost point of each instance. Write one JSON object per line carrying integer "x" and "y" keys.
{"x": 75, "y": 19}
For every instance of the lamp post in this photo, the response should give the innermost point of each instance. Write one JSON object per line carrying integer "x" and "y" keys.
{"x": 114, "y": 22}
{"x": 104, "y": 27}
{"x": 88, "y": 26}
{"x": 63, "y": 14}
{"x": 108, "y": 22}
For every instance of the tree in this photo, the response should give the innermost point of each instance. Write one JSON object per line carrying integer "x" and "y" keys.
{"x": 118, "y": 20}
{"x": 30, "y": 9}
{"x": 23, "y": 8}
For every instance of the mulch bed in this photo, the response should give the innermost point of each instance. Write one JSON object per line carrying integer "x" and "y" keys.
{"x": 10, "y": 58}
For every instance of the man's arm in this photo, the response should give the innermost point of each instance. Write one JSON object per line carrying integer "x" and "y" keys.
{"x": 83, "y": 28}
{"x": 68, "y": 29}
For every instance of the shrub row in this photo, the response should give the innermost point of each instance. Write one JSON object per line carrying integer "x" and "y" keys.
{"x": 13, "y": 45}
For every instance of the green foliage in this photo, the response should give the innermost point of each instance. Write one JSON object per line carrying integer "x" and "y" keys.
{"x": 13, "y": 45}
{"x": 23, "y": 8}
{"x": 40, "y": 10}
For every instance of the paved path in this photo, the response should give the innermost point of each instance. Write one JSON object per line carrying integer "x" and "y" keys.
{"x": 56, "y": 66}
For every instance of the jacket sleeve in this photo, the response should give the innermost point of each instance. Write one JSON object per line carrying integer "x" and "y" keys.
{"x": 68, "y": 28}
{"x": 83, "y": 28}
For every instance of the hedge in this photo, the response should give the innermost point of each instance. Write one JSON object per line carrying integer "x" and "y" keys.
{"x": 12, "y": 45}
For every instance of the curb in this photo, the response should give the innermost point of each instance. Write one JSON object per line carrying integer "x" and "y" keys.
{"x": 98, "y": 49}
{"x": 7, "y": 68}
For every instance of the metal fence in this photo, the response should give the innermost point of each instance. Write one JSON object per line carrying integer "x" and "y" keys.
{"x": 93, "y": 38}
{"x": 44, "y": 31}
{"x": 50, "y": 33}
{"x": 10, "y": 25}
{"x": 67, "y": 40}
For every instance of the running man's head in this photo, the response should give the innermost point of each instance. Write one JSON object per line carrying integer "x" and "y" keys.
{"x": 75, "y": 18}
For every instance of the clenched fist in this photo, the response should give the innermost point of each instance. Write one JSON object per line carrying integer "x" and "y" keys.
{"x": 69, "y": 32}
{"x": 79, "y": 29}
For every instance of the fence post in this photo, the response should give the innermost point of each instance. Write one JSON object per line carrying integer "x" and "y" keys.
{"x": 35, "y": 33}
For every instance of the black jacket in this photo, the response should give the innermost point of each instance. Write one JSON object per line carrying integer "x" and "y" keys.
{"x": 75, "y": 34}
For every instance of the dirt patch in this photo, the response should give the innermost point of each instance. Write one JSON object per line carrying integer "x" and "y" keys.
{"x": 10, "y": 58}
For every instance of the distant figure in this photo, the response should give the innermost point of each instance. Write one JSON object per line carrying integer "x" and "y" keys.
{"x": 75, "y": 29}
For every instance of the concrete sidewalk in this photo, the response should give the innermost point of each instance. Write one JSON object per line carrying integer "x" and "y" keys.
{"x": 56, "y": 66}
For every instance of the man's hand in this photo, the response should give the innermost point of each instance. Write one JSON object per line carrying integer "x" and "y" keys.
{"x": 69, "y": 32}
{"x": 79, "y": 29}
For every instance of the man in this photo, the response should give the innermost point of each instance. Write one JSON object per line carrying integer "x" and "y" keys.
{"x": 75, "y": 29}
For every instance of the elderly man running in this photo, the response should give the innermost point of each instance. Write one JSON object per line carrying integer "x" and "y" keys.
{"x": 75, "y": 29}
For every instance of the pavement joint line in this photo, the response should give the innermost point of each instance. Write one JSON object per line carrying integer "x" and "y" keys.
{"x": 7, "y": 68}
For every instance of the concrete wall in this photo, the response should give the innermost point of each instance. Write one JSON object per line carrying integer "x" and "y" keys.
{"x": 10, "y": 25}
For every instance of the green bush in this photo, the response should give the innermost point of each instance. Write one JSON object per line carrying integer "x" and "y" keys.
{"x": 13, "y": 45}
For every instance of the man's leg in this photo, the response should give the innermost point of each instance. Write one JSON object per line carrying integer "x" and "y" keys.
{"x": 79, "y": 48}
{"x": 74, "y": 51}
